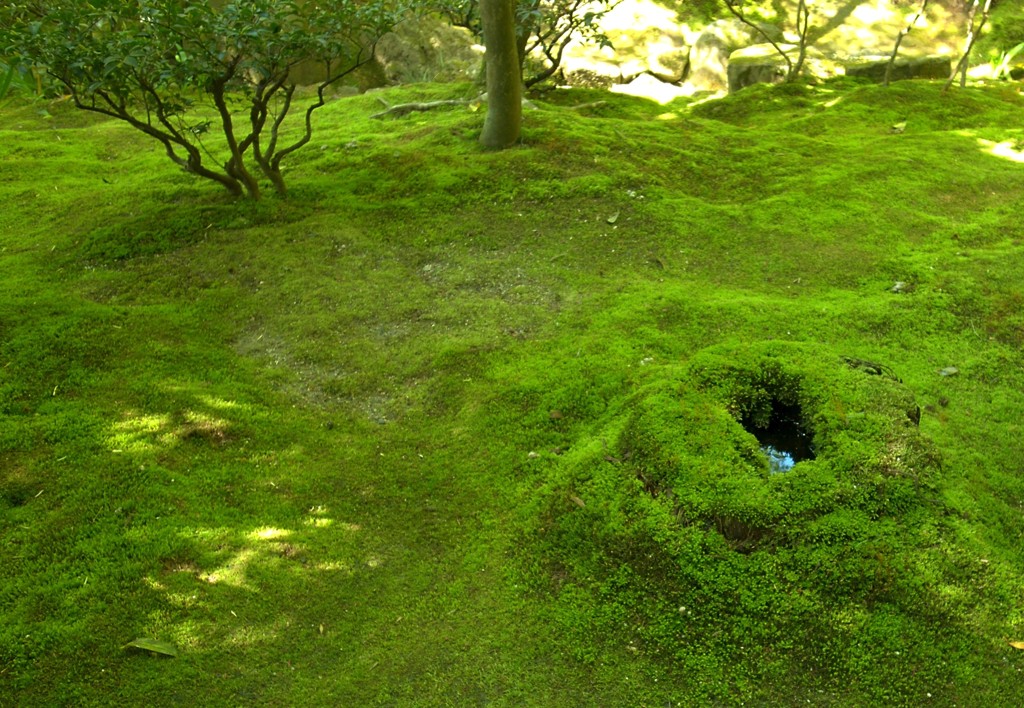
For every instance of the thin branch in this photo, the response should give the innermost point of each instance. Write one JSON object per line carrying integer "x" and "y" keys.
{"x": 733, "y": 8}
{"x": 235, "y": 166}
{"x": 118, "y": 110}
{"x": 263, "y": 159}
{"x": 801, "y": 8}
{"x": 361, "y": 59}
{"x": 899, "y": 40}
{"x": 199, "y": 141}
{"x": 972, "y": 36}
{"x": 275, "y": 127}
{"x": 258, "y": 114}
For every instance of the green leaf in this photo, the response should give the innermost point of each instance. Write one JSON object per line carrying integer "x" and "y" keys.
{"x": 5, "y": 81}
{"x": 154, "y": 645}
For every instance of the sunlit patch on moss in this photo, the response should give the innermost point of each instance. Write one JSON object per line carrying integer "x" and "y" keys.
{"x": 334, "y": 566}
{"x": 1012, "y": 150}
{"x": 201, "y": 426}
{"x": 233, "y": 572}
{"x": 221, "y": 403}
{"x": 138, "y": 433}
{"x": 249, "y": 631}
{"x": 147, "y": 433}
{"x": 269, "y": 533}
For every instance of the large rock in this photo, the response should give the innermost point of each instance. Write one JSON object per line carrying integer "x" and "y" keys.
{"x": 762, "y": 64}
{"x": 428, "y": 49}
{"x": 874, "y": 25}
{"x": 873, "y": 68}
{"x": 416, "y": 51}
{"x": 646, "y": 38}
{"x": 648, "y": 86}
{"x": 709, "y": 57}
{"x": 759, "y": 64}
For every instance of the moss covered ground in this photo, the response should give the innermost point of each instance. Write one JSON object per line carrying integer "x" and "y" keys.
{"x": 406, "y": 437}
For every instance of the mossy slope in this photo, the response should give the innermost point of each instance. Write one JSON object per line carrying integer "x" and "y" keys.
{"x": 303, "y": 440}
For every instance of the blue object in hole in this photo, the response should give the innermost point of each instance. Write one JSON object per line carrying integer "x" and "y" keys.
{"x": 786, "y": 440}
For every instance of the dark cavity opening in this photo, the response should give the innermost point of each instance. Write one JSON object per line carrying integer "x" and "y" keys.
{"x": 786, "y": 439}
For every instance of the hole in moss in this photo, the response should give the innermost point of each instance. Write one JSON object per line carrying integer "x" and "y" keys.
{"x": 786, "y": 439}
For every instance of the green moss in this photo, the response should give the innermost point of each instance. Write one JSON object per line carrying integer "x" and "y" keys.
{"x": 448, "y": 426}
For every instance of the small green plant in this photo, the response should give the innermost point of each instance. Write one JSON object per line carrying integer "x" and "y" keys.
{"x": 5, "y": 80}
{"x": 1001, "y": 66}
{"x": 17, "y": 81}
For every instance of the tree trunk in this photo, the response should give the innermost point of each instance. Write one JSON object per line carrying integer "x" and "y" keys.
{"x": 504, "y": 78}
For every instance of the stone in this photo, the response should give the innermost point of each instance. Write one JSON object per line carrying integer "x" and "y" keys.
{"x": 648, "y": 38}
{"x": 709, "y": 56}
{"x": 645, "y": 38}
{"x": 671, "y": 65}
{"x": 762, "y": 64}
{"x": 873, "y": 26}
{"x": 427, "y": 50}
{"x": 589, "y": 78}
{"x": 647, "y": 86}
{"x": 758, "y": 64}
{"x": 714, "y": 424}
{"x": 927, "y": 67}
{"x": 760, "y": 70}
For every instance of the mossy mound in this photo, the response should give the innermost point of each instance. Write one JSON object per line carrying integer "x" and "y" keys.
{"x": 841, "y": 106}
{"x": 672, "y": 519}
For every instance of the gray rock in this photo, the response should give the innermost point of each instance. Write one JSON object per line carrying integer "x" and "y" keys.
{"x": 759, "y": 64}
{"x": 588, "y": 78}
{"x": 651, "y": 87}
{"x": 873, "y": 68}
{"x": 762, "y": 64}
{"x": 428, "y": 49}
{"x": 709, "y": 56}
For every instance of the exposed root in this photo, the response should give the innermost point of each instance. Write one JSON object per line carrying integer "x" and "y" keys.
{"x": 405, "y": 108}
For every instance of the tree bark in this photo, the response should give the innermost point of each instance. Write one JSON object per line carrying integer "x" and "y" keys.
{"x": 504, "y": 77}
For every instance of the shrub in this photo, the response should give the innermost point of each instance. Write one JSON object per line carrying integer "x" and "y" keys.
{"x": 184, "y": 72}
